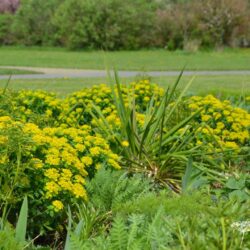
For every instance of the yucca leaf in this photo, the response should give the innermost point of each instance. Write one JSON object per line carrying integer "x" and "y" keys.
{"x": 188, "y": 175}
{"x": 21, "y": 226}
{"x": 67, "y": 243}
{"x": 180, "y": 125}
{"x": 6, "y": 85}
{"x": 179, "y": 99}
{"x": 162, "y": 122}
{"x": 79, "y": 227}
{"x": 104, "y": 124}
{"x": 173, "y": 90}
{"x": 156, "y": 120}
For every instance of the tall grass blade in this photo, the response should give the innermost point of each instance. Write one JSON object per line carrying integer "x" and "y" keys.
{"x": 67, "y": 243}
{"x": 179, "y": 98}
{"x": 6, "y": 85}
{"x": 21, "y": 226}
{"x": 171, "y": 94}
{"x": 186, "y": 180}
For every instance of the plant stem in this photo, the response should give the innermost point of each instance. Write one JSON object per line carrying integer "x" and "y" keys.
{"x": 224, "y": 246}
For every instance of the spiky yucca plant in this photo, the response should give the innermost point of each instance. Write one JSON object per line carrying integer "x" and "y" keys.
{"x": 158, "y": 148}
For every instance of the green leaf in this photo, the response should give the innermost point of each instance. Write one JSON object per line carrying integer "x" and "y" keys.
{"x": 186, "y": 180}
{"x": 6, "y": 85}
{"x": 232, "y": 183}
{"x": 240, "y": 194}
{"x": 22, "y": 222}
{"x": 68, "y": 238}
{"x": 79, "y": 228}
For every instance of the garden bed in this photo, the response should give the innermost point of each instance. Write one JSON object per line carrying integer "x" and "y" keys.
{"x": 124, "y": 167}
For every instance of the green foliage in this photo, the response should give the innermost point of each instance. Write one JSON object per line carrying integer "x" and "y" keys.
{"x": 6, "y": 36}
{"x": 32, "y": 22}
{"x": 189, "y": 221}
{"x": 192, "y": 178}
{"x": 111, "y": 24}
{"x": 162, "y": 143}
{"x": 128, "y": 24}
{"x": 134, "y": 233}
{"x": 108, "y": 189}
{"x": 14, "y": 239}
{"x": 8, "y": 241}
{"x": 238, "y": 186}
{"x": 22, "y": 222}
{"x": 206, "y": 24}
{"x": 154, "y": 136}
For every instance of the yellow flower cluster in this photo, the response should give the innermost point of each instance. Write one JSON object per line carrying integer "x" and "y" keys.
{"x": 77, "y": 107}
{"x": 57, "y": 205}
{"x": 227, "y": 124}
{"x": 45, "y": 109}
{"x": 35, "y": 106}
{"x": 64, "y": 156}
{"x": 143, "y": 91}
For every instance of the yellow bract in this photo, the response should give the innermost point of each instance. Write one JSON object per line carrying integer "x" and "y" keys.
{"x": 57, "y": 205}
{"x": 125, "y": 143}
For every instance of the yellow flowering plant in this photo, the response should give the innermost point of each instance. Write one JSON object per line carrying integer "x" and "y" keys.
{"x": 49, "y": 165}
{"x": 50, "y": 146}
{"x": 37, "y": 106}
{"x": 78, "y": 106}
{"x": 219, "y": 120}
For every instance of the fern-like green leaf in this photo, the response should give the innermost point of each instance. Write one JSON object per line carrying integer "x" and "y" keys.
{"x": 119, "y": 234}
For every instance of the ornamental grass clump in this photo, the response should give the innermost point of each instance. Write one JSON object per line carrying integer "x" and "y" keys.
{"x": 50, "y": 166}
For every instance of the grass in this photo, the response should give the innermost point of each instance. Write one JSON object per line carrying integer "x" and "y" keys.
{"x": 130, "y": 60}
{"x": 202, "y": 85}
{"x": 16, "y": 72}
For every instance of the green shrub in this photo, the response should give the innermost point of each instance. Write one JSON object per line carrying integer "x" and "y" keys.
{"x": 49, "y": 166}
{"x": 128, "y": 24}
{"x": 6, "y": 36}
{"x": 205, "y": 23}
{"x": 110, "y": 24}
{"x": 32, "y": 22}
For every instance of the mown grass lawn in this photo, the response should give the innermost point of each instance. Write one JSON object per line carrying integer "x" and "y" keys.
{"x": 202, "y": 85}
{"x": 126, "y": 60}
{"x": 16, "y": 72}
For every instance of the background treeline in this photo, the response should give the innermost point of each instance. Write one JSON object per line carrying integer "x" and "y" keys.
{"x": 126, "y": 24}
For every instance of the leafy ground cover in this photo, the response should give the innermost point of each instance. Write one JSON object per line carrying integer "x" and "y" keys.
{"x": 217, "y": 85}
{"x": 126, "y": 60}
{"x": 124, "y": 167}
